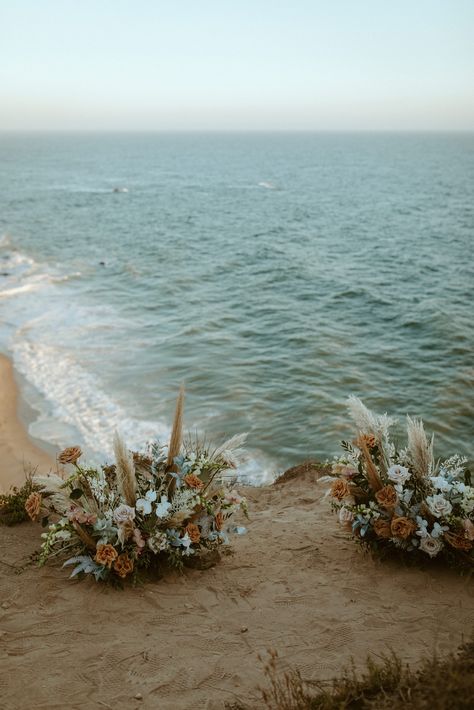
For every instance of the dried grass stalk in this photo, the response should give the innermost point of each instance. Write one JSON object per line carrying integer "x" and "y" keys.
{"x": 53, "y": 486}
{"x": 176, "y": 438}
{"x": 371, "y": 471}
{"x": 125, "y": 471}
{"x": 419, "y": 448}
{"x": 85, "y": 537}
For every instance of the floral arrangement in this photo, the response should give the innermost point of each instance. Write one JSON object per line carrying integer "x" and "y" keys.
{"x": 403, "y": 499}
{"x": 169, "y": 504}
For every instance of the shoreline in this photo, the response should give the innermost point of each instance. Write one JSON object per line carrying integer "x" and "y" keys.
{"x": 19, "y": 452}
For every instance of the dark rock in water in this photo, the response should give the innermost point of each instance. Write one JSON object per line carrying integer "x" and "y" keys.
{"x": 101, "y": 263}
{"x": 4, "y": 273}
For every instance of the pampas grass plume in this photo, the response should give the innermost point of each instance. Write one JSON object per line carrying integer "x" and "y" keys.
{"x": 176, "y": 438}
{"x": 126, "y": 479}
{"x": 419, "y": 448}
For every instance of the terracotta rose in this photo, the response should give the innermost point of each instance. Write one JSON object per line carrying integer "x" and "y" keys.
{"x": 387, "y": 497}
{"x": 402, "y": 527}
{"x": 106, "y": 555}
{"x": 70, "y": 455}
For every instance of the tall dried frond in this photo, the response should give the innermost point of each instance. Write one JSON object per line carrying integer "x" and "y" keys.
{"x": 366, "y": 421}
{"x": 419, "y": 448}
{"x": 370, "y": 468}
{"x": 176, "y": 437}
{"x": 58, "y": 498}
{"x": 230, "y": 451}
{"x": 125, "y": 471}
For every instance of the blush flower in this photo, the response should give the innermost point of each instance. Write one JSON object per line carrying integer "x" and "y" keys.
{"x": 193, "y": 532}
{"x": 70, "y": 455}
{"x": 193, "y": 481}
{"x": 387, "y": 497}
{"x": 340, "y": 489}
{"x": 106, "y": 555}
{"x": 431, "y": 545}
{"x": 402, "y": 527}
{"x": 33, "y": 505}
{"x": 124, "y": 514}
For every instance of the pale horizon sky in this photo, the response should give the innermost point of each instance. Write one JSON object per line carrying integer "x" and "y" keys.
{"x": 248, "y": 65}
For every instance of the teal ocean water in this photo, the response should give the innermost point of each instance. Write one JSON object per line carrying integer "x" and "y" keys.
{"x": 273, "y": 274}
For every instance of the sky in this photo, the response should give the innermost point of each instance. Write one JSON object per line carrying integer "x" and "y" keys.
{"x": 236, "y": 65}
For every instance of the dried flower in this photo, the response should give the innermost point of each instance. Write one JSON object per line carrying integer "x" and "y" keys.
{"x": 106, "y": 555}
{"x": 458, "y": 540}
{"x": 193, "y": 532}
{"x": 431, "y": 545}
{"x": 368, "y": 439}
{"x": 123, "y": 565}
{"x": 340, "y": 489}
{"x": 402, "y": 527}
{"x": 468, "y": 529}
{"x": 219, "y": 521}
{"x": 33, "y": 505}
{"x": 382, "y": 528}
{"x": 70, "y": 455}
{"x": 193, "y": 481}
{"x": 387, "y": 497}
{"x": 78, "y": 515}
{"x": 124, "y": 514}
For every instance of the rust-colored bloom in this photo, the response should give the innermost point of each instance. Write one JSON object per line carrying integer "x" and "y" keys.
{"x": 402, "y": 527}
{"x": 340, "y": 489}
{"x": 33, "y": 505}
{"x": 368, "y": 439}
{"x": 387, "y": 497}
{"x": 193, "y": 481}
{"x": 219, "y": 520}
{"x": 70, "y": 455}
{"x": 106, "y": 555}
{"x": 123, "y": 565}
{"x": 458, "y": 540}
{"x": 468, "y": 529}
{"x": 193, "y": 532}
{"x": 382, "y": 528}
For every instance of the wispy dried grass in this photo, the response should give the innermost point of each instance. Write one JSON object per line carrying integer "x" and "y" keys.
{"x": 370, "y": 468}
{"x": 125, "y": 471}
{"x": 231, "y": 451}
{"x": 176, "y": 438}
{"x": 366, "y": 421}
{"x": 419, "y": 448}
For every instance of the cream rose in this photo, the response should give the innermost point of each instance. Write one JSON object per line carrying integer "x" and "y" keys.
{"x": 124, "y": 514}
{"x": 439, "y": 506}
{"x": 431, "y": 545}
{"x": 398, "y": 474}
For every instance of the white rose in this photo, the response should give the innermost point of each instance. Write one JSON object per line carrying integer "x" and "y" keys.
{"x": 398, "y": 474}
{"x": 124, "y": 514}
{"x": 439, "y": 506}
{"x": 431, "y": 545}
{"x": 345, "y": 516}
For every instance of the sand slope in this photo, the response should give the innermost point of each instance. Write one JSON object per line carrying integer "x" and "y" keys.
{"x": 295, "y": 582}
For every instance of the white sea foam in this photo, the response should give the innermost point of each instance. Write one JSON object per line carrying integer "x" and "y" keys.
{"x": 76, "y": 398}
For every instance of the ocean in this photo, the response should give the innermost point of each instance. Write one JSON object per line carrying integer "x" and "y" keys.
{"x": 273, "y": 274}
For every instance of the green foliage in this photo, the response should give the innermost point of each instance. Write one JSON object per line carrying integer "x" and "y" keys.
{"x": 12, "y": 504}
{"x": 438, "y": 684}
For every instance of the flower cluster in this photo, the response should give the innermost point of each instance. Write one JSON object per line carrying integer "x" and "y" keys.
{"x": 172, "y": 503}
{"x": 404, "y": 499}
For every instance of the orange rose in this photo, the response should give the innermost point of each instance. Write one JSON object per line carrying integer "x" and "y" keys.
{"x": 70, "y": 455}
{"x": 106, "y": 555}
{"x": 458, "y": 540}
{"x": 382, "y": 528}
{"x": 193, "y": 532}
{"x": 340, "y": 489}
{"x": 193, "y": 481}
{"x": 123, "y": 565}
{"x": 219, "y": 521}
{"x": 33, "y": 505}
{"x": 387, "y": 497}
{"x": 402, "y": 527}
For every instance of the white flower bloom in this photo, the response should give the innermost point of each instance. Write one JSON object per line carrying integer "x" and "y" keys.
{"x": 124, "y": 514}
{"x": 431, "y": 545}
{"x": 422, "y": 527}
{"x": 143, "y": 505}
{"x": 438, "y": 530}
{"x": 438, "y": 505}
{"x": 441, "y": 484}
{"x": 163, "y": 507}
{"x": 345, "y": 516}
{"x": 467, "y": 503}
{"x": 398, "y": 474}
{"x": 158, "y": 542}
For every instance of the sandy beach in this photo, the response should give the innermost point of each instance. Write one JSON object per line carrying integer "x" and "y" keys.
{"x": 294, "y": 583}
{"x": 18, "y": 453}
